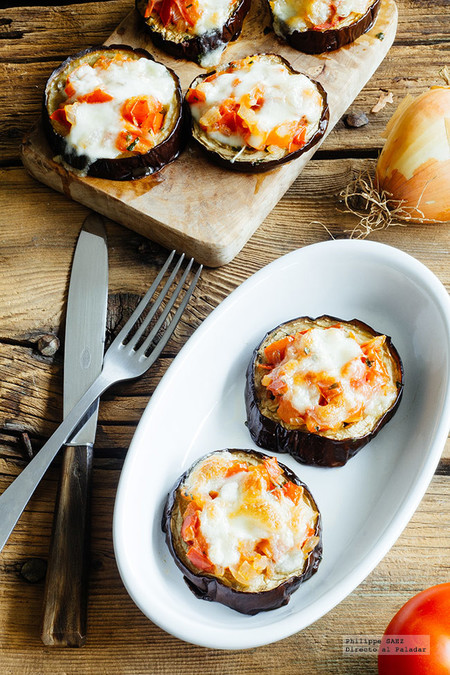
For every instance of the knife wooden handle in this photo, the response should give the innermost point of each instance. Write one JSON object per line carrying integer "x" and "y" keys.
{"x": 65, "y": 597}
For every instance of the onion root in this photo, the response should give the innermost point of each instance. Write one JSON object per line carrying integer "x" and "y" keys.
{"x": 375, "y": 208}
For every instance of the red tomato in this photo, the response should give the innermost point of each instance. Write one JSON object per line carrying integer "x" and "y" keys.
{"x": 427, "y": 613}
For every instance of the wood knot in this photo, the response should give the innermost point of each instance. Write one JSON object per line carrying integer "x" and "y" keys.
{"x": 33, "y": 570}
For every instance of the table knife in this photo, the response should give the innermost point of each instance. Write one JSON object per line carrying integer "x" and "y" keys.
{"x": 65, "y": 596}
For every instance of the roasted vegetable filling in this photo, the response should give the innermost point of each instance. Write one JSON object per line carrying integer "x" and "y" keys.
{"x": 257, "y": 103}
{"x": 318, "y": 15}
{"x": 190, "y": 16}
{"x": 114, "y": 105}
{"x": 324, "y": 379}
{"x": 245, "y": 522}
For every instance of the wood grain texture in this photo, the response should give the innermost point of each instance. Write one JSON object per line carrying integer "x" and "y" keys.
{"x": 183, "y": 206}
{"x": 122, "y": 640}
{"x": 37, "y": 239}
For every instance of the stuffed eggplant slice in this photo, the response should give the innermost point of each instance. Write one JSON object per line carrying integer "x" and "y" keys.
{"x": 243, "y": 529}
{"x": 114, "y": 112}
{"x": 196, "y": 30}
{"x": 320, "y": 389}
{"x": 256, "y": 113}
{"x": 317, "y": 26}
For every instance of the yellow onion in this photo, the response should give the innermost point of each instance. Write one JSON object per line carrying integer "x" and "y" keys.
{"x": 414, "y": 165}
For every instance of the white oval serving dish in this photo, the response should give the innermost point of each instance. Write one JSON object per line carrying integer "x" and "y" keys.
{"x": 199, "y": 407}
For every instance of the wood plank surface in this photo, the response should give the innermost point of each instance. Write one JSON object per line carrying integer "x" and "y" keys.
{"x": 38, "y": 232}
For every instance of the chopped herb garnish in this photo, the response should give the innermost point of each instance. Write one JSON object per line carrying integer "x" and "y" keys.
{"x": 380, "y": 36}
{"x": 333, "y": 386}
{"x": 369, "y": 363}
{"x": 317, "y": 428}
{"x": 133, "y": 144}
{"x": 306, "y": 350}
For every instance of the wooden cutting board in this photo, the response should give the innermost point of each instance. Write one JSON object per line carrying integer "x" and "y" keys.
{"x": 193, "y": 205}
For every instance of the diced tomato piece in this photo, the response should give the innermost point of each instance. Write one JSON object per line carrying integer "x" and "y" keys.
{"x": 105, "y": 61}
{"x": 228, "y": 115}
{"x": 299, "y": 139}
{"x": 143, "y": 112}
{"x": 195, "y": 96}
{"x": 165, "y": 11}
{"x": 200, "y": 559}
{"x": 96, "y": 96}
{"x": 149, "y": 8}
{"x": 188, "y": 10}
{"x": 133, "y": 142}
{"x": 59, "y": 115}
{"x": 236, "y": 467}
{"x": 69, "y": 90}
{"x": 293, "y": 491}
{"x": 277, "y": 386}
{"x": 127, "y": 140}
{"x": 288, "y": 413}
{"x": 190, "y": 527}
{"x": 158, "y": 121}
{"x": 263, "y": 547}
{"x": 273, "y": 469}
{"x": 254, "y": 99}
{"x": 274, "y": 352}
{"x": 326, "y": 25}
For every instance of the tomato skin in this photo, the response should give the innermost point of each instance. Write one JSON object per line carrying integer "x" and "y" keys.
{"x": 427, "y": 613}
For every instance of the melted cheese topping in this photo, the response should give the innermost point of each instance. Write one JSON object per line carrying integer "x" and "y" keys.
{"x": 213, "y": 15}
{"x": 326, "y": 379}
{"x": 280, "y": 100}
{"x": 95, "y": 127}
{"x": 212, "y": 58}
{"x": 307, "y": 14}
{"x": 251, "y": 527}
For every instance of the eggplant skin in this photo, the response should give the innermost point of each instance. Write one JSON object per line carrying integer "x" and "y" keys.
{"x": 305, "y": 447}
{"x": 253, "y": 161}
{"x": 131, "y": 166}
{"x": 318, "y": 42}
{"x": 193, "y": 47}
{"x": 207, "y": 587}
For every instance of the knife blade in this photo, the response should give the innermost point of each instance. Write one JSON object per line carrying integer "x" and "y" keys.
{"x": 65, "y": 596}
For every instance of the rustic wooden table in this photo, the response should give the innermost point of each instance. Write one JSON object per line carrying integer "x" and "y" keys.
{"x": 38, "y": 232}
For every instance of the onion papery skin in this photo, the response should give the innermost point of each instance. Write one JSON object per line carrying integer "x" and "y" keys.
{"x": 414, "y": 165}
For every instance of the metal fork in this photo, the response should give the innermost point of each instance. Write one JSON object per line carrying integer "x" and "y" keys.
{"x": 124, "y": 360}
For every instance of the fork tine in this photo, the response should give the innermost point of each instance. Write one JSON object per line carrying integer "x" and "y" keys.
{"x": 175, "y": 293}
{"x": 143, "y": 304}
{"x": 155, "y": 306}
{"x": 151, "y": 358}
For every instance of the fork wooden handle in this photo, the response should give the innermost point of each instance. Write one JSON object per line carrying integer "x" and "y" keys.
{"x": 65, "y": 598}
